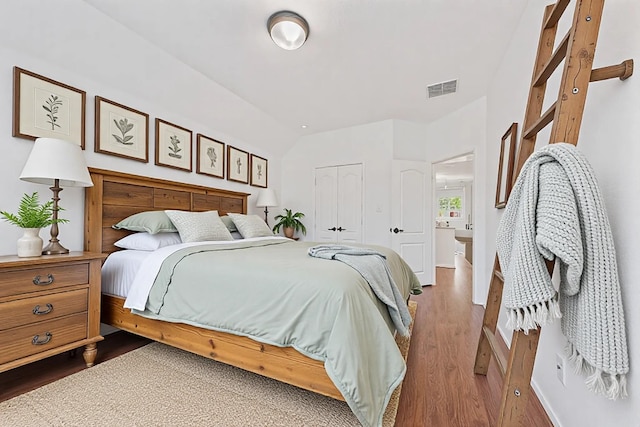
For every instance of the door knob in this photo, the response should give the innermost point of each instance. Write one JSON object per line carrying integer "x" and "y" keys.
{"x": 342, "y": 229}
{"x": 397, "y": 230}
{"x": 332, "y": 229}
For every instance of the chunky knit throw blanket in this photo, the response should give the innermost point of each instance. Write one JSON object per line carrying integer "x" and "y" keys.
{"x": 373, "y": 267}
{"x": 556, "y": 211}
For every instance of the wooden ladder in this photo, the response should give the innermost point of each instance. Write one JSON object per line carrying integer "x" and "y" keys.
{"x": 577, "y": 49}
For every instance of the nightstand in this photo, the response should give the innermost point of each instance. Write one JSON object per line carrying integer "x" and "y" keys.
{"x": 49, "y": 305}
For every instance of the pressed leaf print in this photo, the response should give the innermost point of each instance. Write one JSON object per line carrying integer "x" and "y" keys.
{"x": 174, "y": 147}
{"x": 239, "y": 165}
{"x": 211, "y": 153}
{"x": 51, "y": 106}
{"x": 259, "y": 171}
{"x": 123, "y": 126}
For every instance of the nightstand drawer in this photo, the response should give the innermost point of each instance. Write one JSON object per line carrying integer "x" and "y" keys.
{"x": 31, "y": 339}
{"x": 40, "y": 308}
{"x": 42, "y": 278}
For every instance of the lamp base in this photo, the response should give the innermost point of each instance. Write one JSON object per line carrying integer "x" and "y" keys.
{"x": 54, "y": 248}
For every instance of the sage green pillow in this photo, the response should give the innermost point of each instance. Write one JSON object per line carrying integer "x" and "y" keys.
{"x": 199, "y": 226}
{"x": 229, "y": 223}
{"x": 251, "y": 225}
{"x": 152, "y": 222}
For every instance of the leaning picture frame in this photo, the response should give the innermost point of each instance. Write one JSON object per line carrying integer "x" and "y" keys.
{"x": 259, "y": 171}
{"x": 45, "y": 108}
{"x": 209, "y": 156}
{"x": 237, "y": 165}
{"x": 173, "y": 146}
{"x": 505, "y": 166}
{"x": 121, "y": 131}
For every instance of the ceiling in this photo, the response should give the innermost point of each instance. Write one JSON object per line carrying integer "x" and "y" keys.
{"x": 454, "y": 172}
{"x": 364, "y": 61}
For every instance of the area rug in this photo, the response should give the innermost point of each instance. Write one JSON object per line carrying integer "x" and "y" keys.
{"x": 158, "y": 385}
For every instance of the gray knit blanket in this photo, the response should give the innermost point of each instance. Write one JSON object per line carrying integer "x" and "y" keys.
{"x": 556, "y": 211}
{"x": 373, "y": 267}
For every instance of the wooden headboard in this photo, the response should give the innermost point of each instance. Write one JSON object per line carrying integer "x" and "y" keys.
{"x": 116, "y": 195}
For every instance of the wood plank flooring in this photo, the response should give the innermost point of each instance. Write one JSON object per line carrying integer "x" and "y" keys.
{"x": 440, "y": 389}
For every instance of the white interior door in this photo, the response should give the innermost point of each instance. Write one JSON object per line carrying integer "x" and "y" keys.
{"x": 411, "y": 233}
{"x": 350, "y": 204}
{"x": 326, "y": 221}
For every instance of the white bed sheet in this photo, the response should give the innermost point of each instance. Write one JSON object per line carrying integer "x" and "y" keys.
{"x": 120, "y": 269}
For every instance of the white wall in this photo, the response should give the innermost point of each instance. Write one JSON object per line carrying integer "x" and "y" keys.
{"x": 608, "y": 138}
{"x": 371, "y": 145}
{"x": 126, "y": 69}
{"x": 459, "y": 133}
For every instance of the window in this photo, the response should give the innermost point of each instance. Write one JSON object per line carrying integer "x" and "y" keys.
{"x": 450, "y": 207}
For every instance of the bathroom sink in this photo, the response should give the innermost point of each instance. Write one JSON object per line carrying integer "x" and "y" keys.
{"x": 464, "y": 235}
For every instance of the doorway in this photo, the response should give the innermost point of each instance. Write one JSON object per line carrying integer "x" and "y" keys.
{"x": 452, "y": 212}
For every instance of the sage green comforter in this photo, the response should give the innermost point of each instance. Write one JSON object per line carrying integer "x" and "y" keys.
{"x": 272, "y": 291}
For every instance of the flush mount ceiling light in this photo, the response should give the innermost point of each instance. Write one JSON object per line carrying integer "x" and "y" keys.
{"x": 288, "y": 29}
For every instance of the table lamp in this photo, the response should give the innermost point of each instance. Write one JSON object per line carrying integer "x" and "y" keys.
{"x": 57, "y": 163}
{"x": 266, "y": 199}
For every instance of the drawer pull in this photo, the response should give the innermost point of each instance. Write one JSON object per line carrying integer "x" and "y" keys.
{"x": 36, "y": 339}
{"x": 36, "y": 309}
{"x": 50, "y": 279}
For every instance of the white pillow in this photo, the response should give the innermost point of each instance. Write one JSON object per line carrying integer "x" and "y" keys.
{"x": 250, "y": 225}
{"x": 199, "y": 226}
{"x": 148, "y": 242}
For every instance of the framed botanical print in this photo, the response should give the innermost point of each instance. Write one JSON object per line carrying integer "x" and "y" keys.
{"x": 121, "y": 131}
{"x": 505, "y": 166}
{"x": 173, "y": 146}
{"x": 237, "y": 165}
{"x": 258, "y": 171}
{"x": 46, "y": 108}
{"x": 210, "y": 156}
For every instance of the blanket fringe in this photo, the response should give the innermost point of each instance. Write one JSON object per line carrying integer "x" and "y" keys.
{"x": 530, "y": 317}
{"x": 613, "y": 386}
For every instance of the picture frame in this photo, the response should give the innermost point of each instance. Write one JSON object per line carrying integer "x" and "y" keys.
{"x": 506, "y": 165}
{"x": 210, "y": 156}
{"x": 45, "y": 108}
{"x": 237, "y": 165}
{"x": 121, "y": 131}
{"x": 259, "y": 171}
{"x": 173, "y": 146}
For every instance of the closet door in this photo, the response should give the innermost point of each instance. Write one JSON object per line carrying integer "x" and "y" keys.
{"x": 338, "y": 210}
{"x": 326, "y": 204}
{"x": 350, "y": 204}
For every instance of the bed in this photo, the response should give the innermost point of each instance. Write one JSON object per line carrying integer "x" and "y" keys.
{"x": 117, "y": 195}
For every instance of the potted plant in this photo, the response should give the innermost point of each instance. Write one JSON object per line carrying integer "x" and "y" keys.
{"x": 290, "y": 223}
{"x": 31, "y": 217}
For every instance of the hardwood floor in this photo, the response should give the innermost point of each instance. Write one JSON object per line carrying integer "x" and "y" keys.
{"x": 440, "y": 389}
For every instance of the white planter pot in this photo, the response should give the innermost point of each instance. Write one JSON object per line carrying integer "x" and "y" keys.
{"x": 30, "y": 244}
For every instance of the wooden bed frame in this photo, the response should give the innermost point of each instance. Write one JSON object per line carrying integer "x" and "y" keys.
{"x": 115, "y": 196}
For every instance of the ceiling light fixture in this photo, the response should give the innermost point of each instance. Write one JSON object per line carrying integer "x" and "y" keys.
{"x": 288, "y": 30}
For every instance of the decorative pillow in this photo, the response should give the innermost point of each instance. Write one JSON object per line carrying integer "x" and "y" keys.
{"x": 229, "y": 223}
{"x": 236, "y": 235}
{"x": 148, "y": 242}
{"x": 151, "y": 221}
{"x": 199, "y": 226}
{"x": 251, "y": 225}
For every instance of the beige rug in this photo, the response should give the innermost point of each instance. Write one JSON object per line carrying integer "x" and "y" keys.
{"x": 158, "y": 385}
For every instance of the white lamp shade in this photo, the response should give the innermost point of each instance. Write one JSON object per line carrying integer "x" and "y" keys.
{"x": 267, "y": 197}
{"x": 288, "y": 30}
{"x": 52, "y": 159}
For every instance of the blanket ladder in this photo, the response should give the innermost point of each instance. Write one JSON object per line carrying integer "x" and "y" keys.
{"x": 576, "y": 49}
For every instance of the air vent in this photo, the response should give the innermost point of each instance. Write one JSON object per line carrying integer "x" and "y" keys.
{"x": 444, "y": 88}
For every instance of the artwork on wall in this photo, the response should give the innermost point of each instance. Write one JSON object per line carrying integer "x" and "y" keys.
{"x": 46, "y": 108}
{"x": 173, "y": 146}
{"x": 506, "y": 165}
{"x": 210, "y": 156}
{"x": 237, "y": 165}
{"x": 258, "y": 171}
{"x": 121, "y": 131}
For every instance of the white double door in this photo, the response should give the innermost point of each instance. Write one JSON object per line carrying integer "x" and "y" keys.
{"x": 338, "y": 204}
